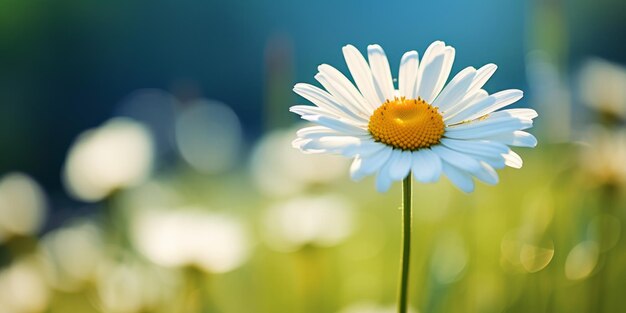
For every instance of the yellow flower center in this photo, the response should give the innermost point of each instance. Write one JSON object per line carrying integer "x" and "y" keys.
{"x": 407, "y": 124}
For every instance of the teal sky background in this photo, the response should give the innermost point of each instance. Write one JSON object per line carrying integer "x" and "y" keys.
{"x": 66, "y": 65}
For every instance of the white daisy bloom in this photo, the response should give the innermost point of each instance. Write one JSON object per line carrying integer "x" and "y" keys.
{"x": 423, "y": 126}
{"x": 602, "y": 87}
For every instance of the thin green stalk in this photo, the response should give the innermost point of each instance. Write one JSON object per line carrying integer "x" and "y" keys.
{"x": 406, "y": 244}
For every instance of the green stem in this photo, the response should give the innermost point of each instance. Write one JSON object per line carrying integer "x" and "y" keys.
{"x": 406, "y": 244}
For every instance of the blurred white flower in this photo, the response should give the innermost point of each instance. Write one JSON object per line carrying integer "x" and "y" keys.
{"x": 603, "y": 87}
{"x": 22, "y": 206}
{"x": 72, "y": 255}
{"x": 115, "y": 155}
{"x": 277, "y": 167}
{"x": 209, "y": 136}
{"x": 604, "y": 157}
{"x": 131, "y": 287}
{"x": 214, "y": 242}
{"x": 23, "y": 290}
{"x": 316, "y": 220}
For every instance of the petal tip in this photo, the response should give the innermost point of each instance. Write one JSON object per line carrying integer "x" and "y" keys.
{"x": 410, "y": 54}
{"x": 467, "y": 189}
{"x": 348, "y": 47}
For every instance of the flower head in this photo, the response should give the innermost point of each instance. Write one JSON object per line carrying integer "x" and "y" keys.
{"x": 602, "y": 157}
{"x": 423, "y": 126}
{"x": 22, "y": 206}
{"x": 276, "y": 167}
{"x": 213, "y": 242}
{"x": 321, "y": 221}
{"x": 23, "y": 287}
{"x": 602, "y": 87}
{"x": 72, "y": 255}
{"x": 118, "y": 154}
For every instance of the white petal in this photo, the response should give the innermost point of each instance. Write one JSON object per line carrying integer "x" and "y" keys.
{"x": 340, "y": 126}
{"x": 348, "y": 146}
{"x": 380, "y": 71}
{"x": 478, "y": 147}
{"x": 487, "y": 151}
{"x": 312, "y": 110}
{"x": 456, "y": 90}
{"x": 513, "y": 160}
{"x": 503, "y": 98}
{"x": 426, "y": 166}
{"x": 504, "y": 119}
{"x": 487, "y": 174}
{"x": 364, "y": 147}
{"x": 487, "y": 127}
{"x": 434, "y": 70}
{"x": 523, "y": 113}
{"x": 517, "y": 138}
{"x": 383, "y": 181}
{"x": 316, "y": 132}
{"x": 429, "y": 55}
{"x": 482, "y": 76}
{"x": 407, "y": 76}
{"x": 429, "y": 77}
{"x": 459, "y": 160}
{"x": 493, "y": 102}
{"x": 445, "y": 70}
{"x": 356, "y": 169}
{"x": 342, "y": 89}
{"x": 474, "y": 93}
{"x": 469, "y": 100}
{"x": 369, "y": 164}
{"x": 458, "y": 177}
{"x": 326, "y": 101}
{"x": 401, "y": 167}
{"x": 344, "y": 145}
{"x": 362, "y": 76}
{"x": 383, "y": 178}
{"x": 495, "y": 161}
{"x": 470, "y": 109}
{"x": 369, "y": 147}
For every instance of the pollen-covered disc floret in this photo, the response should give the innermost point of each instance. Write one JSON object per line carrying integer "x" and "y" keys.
{"x": 407, "y": 124}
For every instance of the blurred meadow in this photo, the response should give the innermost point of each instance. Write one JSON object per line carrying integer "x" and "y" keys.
{"x": 146, "y": 162}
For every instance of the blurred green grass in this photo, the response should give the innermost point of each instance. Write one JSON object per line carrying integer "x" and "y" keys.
{"x": 504, "y": 248}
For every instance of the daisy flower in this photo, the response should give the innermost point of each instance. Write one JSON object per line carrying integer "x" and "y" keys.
{"x": 602, "y": 88}
{"x": 421, "y": 126}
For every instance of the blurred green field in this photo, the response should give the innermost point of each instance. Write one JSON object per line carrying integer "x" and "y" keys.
{"x": 544, "y": 240}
